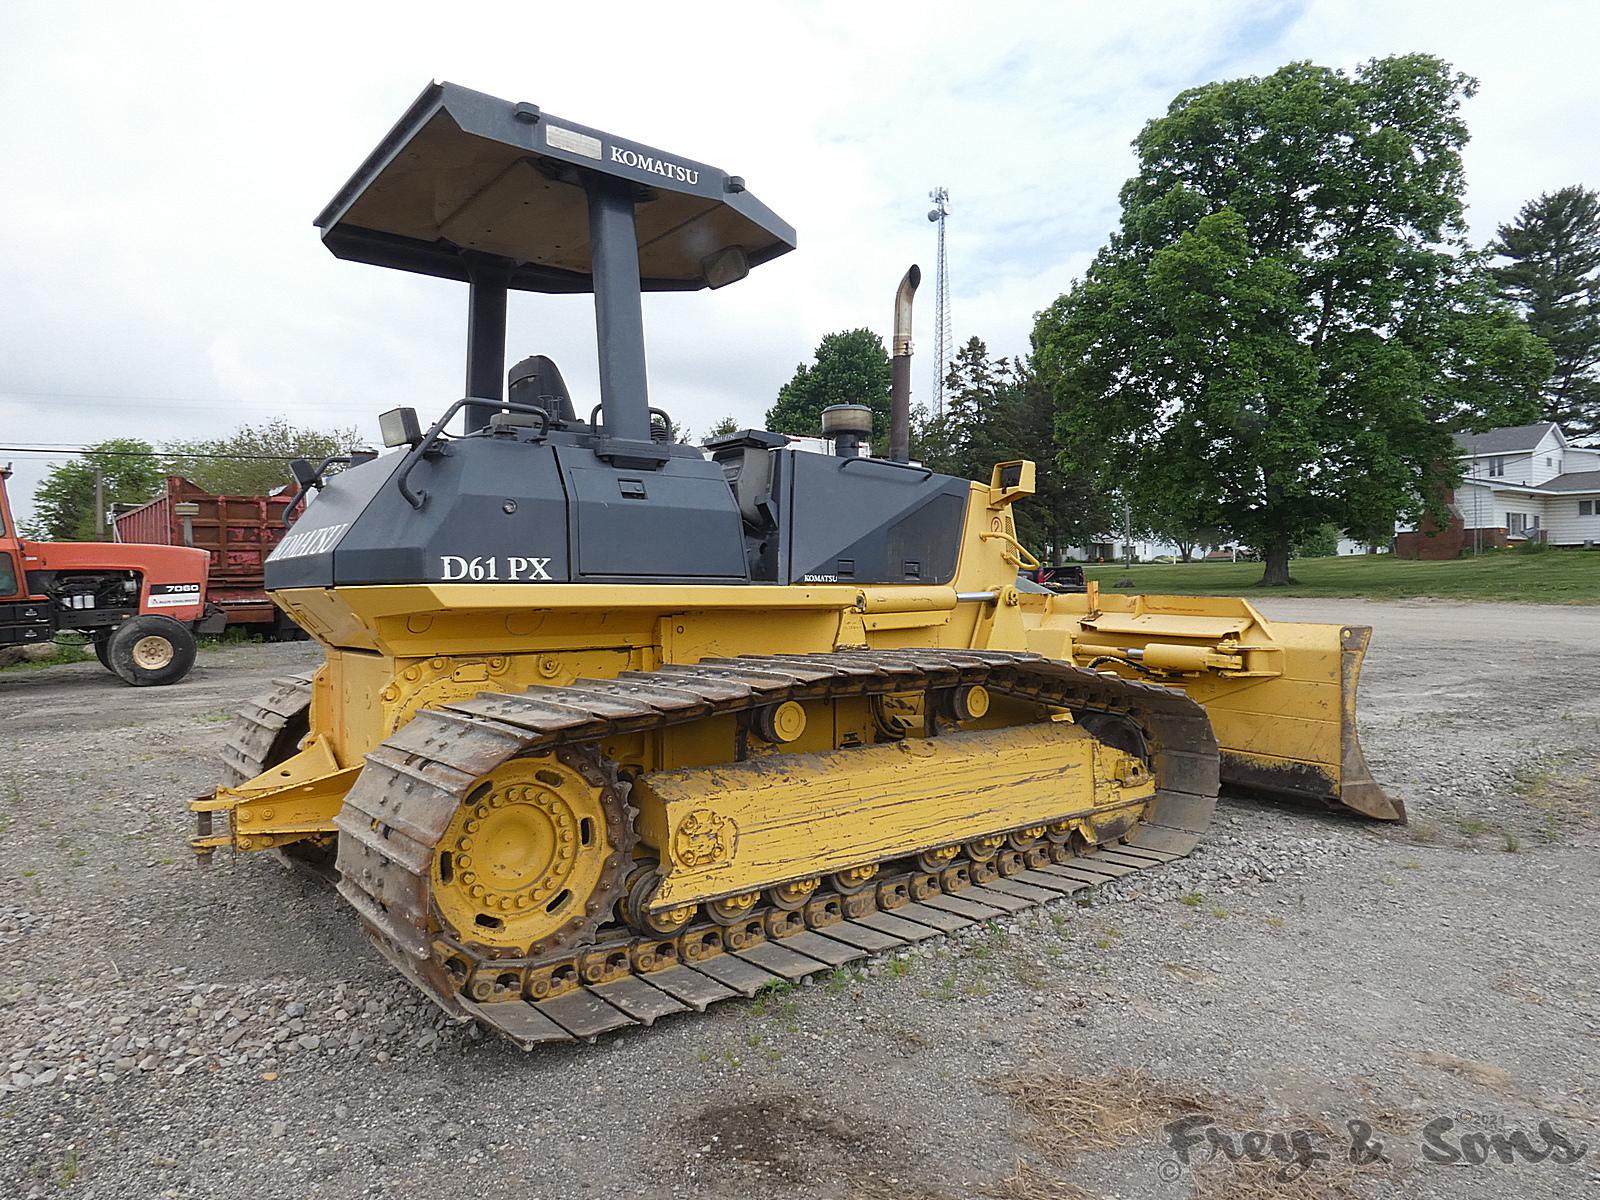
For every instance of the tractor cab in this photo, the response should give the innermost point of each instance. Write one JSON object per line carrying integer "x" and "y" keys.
{"x": 10, "y": 547}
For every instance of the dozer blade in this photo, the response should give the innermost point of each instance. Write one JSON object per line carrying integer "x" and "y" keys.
{"x": 1281, "y": 695}
{"x": 1294, "y": 736}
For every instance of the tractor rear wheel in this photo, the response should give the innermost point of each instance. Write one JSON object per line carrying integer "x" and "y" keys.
{"x": 148, "y": 651}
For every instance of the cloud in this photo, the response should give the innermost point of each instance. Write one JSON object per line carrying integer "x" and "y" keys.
{"x": 163, "y": 166}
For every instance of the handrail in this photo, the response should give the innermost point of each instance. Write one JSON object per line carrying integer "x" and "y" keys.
{"x": 427, "y": 445}
{"x": 1022, "y": 558}
{"x": 927, "y": 472}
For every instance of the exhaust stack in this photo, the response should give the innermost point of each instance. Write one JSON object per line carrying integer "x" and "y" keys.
{"x": 900, "y": 366}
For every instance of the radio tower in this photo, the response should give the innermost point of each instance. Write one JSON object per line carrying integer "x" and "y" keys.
{"x": 941, "y": 319}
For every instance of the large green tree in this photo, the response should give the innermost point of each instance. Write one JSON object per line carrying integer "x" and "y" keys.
{"x": 63, "y": 505}
{"x": 1553, "y": 278}
{"x": 254, "y": 459}
{"x": 1287, "y": 324}
{"x": 996, "y": 411}
{"x": 850, "y": 367}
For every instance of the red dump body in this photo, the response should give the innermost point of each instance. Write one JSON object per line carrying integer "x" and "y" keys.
{"x": 238, "y": 532}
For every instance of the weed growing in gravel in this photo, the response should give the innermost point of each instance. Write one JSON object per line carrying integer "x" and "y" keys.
{"x": 899, "y": 967}
{"x": 1219, "y": 912}
{"x": 769, "y": 991}
{"x": 66, "y": 652}
{"x": 1275, "y": 922}
{"x": 1422, "y": 831}
{"x": 1473, "y": 826}
{"x": 1193, "y": 899}
{"x": 1073, "y": 1116}
{"x": 1530, "y": 781}
{"x": 842, "y": 978}
{"x": 1513, "y": 842}
{"x": 69, "y": 1167}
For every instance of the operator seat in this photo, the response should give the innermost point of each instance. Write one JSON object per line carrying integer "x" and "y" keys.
{"x": 537, "y": 380}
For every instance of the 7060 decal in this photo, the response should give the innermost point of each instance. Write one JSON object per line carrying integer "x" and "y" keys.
{"x": 511, "y": 568}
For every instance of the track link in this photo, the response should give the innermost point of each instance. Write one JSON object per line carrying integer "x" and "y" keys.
{"x": 402, "y": 802}
{"x": 267, "y": 729}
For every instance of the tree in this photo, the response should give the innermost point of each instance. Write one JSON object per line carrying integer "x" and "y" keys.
{"x": 1553, "y": 279}
{"x": 254, "y": 459}
{"x": 722, "y": 428}
{"x": 1322, "y": 542}
{"x": 63, "y": 505}
{"x": 997, "y": 411}
{"x": 1287, "y": 323}
{"x": 851, "y": 367}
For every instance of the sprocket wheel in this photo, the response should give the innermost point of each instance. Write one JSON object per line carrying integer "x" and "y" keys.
{"x": 536, "y": 857}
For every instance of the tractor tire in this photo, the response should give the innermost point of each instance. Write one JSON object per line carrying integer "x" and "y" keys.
{"x": 102, "y": 651}
{"x": 148, "y": 651}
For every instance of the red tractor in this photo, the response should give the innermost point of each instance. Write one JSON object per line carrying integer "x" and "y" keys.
{"x": 141, "y": 605}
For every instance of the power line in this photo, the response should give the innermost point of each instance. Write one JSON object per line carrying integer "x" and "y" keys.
{"x": 46, "y": 450}
{"x": 101, "y": 399}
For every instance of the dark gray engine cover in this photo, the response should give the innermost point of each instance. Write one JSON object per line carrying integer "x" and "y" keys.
{"x": 531, "y": 509}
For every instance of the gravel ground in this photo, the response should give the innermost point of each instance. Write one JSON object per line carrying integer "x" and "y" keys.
{"x": 172, "y": 1031}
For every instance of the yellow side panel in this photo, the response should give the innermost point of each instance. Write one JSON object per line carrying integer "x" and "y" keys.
{"x": 740, "y": 826}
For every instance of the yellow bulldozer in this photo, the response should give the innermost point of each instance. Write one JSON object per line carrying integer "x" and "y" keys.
{"x": 611, "y": 728}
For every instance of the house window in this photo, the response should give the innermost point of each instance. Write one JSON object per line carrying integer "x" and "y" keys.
{"x": 1586, "y": 508}
{"x": 1497, "y": 466}
{"x": 1515, "y": 523}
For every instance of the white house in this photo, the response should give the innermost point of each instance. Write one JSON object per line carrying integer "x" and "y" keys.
{"x": 1529, "y": 483}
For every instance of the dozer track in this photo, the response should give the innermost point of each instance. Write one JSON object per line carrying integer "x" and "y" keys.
{"x": 414, "y": 784}
{"x": 267, "y": 730}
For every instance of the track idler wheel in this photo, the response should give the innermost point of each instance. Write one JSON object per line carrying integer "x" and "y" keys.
{"x": 935, "y": 860}
{"x": 642, "y": 887}
{"x": 983, "y": 849}
{"x": 730, "y": 910}
{"x": 792, "y": 896}
{"x": 853, "y": 879}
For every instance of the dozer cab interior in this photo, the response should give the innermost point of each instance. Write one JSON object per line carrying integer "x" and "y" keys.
{"x": 608, "y": 729}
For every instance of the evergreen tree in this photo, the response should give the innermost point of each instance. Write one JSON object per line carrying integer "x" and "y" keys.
{"x": 1553, "y": 278}
{"x": 997, "y": 411}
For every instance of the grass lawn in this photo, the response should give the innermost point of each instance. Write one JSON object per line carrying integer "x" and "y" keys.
{"x": 1553, "y": 577}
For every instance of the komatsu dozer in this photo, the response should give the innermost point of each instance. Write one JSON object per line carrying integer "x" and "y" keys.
{"x": 611, "y": 728}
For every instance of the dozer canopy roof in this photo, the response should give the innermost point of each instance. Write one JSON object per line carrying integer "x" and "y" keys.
{"x": 466, "y": 177}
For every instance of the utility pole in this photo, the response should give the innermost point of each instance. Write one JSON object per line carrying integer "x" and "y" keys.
{"x": 1127, "y": 533}
{"x": 99, "y": 505}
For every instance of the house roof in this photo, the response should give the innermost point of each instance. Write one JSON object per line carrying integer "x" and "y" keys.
{"x": 1573, "y": 481}
{"x": 1505, "y": 441}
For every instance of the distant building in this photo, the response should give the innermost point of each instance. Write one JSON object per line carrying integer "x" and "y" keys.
{"x": 1527, "y": 483}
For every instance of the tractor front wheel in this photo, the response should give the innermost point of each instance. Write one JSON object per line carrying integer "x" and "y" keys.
{"x": 102, "y": 650}
{"x": 148, "y": 651}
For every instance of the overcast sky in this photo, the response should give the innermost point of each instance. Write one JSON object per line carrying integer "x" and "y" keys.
{"x": 160, "y": 167}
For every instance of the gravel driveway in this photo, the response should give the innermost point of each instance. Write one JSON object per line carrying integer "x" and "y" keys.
{"x": 172, "y": 1031}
